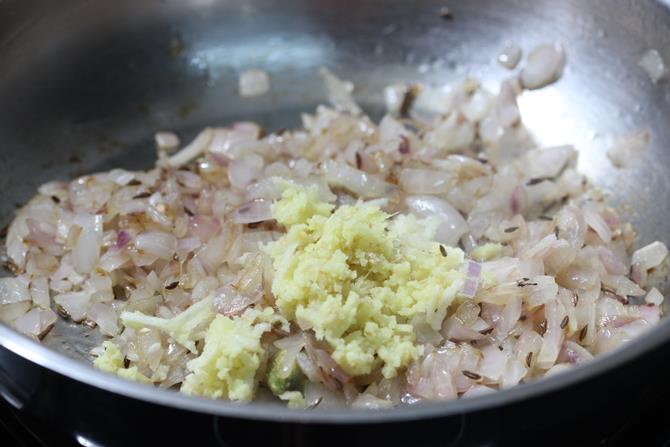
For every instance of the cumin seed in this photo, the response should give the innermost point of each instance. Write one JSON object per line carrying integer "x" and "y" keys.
{"x": 172, "y": 285}
{"x": 536, "y": 180}
{"x": 471, "y": 375}
{"x": 524, "y": 282}
{"x": 565, "y": 322}
{"x": 583, "y": 332}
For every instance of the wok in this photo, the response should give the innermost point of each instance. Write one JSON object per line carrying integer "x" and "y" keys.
{"x": 84, "y": 84}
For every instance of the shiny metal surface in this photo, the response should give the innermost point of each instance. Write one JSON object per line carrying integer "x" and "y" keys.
{"x": 84, "y": 84}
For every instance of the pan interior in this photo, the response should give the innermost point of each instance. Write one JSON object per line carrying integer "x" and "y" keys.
{"x": 84, "y": 85}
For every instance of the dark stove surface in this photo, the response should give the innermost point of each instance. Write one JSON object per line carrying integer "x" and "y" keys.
{"x": 645, "y": 424}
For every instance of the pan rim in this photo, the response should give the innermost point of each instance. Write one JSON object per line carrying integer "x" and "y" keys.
{"x": 87, "y": 374}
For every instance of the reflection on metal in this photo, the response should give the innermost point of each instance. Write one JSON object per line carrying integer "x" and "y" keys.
{"x": 10, "y": 398}
{"x": 271, "y": 53}
{"x": 85, "y": 442}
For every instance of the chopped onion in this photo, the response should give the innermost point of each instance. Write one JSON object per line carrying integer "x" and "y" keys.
{"x": 263, "y": 189}
{"x": 166, "y": 141}
{"x": 549, "y": 162}
{"x": 113, "y": 260}
{"x": 105, "y": 317}
{"x": 654, "y": 297}
{"x": 652, "y": 62}
{"x": 425, "y": 181}
{"x": 425, "y": 333}
{"x": 473, "y": 271}
{"x": 230, "y": 302}
{"x": 509, "y": 55}
{"x": 612, "y": 263}
{"x": 122, "y": 239}
{"x": 557, "y": 369}
{"x": 514, "y": 372}
{"x": 622, "y": 285}
{"x": 364, "y": 184}
{"x": 574, "y": 353}
{"x": 75, "y": 304}
{"x": 452, "y": 134}
{"x": 391, "y": 130}
{"x": 493, "y": 363}
{"x": 541, "y": 290}
{"x": 251, "y": 212}
{"x": 254, "y": 82}
{"x": 161, "y": 245}
{"x": 395, "y": 97}
{"x": 571, "y": 226}
{"x": 544, "y": 66}
{"x": 477, "y": 107}
{"x": 370, "y": 402}
{"x": 203, "y": 228}
{"x": 188, "y": 180}
{"x": 230, "y": 144}
{"x": 36, "y": 323}
{"x": 506, "y": 108}
{"x": 435, "y": 381}
{"x": 329, "y": 372}
{"x": 452, "y": 225}
{"x": 317, "y": 395}
{"x": 650, "y": 256}
{"x": 455, "y": 331}
{"x": 293, "y": 345}
{"x": 86, "y": 250}
{"x": 17, "y": 248}
{"x": 339, "y": 92}
{"x": 10, "y": 312}
{"x": 244, "y": 171}
{"x": 650, "y": 314}
{"x": 478, "y": 390}
{"x": 598, "y": 224}
{"x": 196, "y": 148}
{"x": 553, "y": 337}
{"x": 13, "y": 290}
{"x": 39, "y": 292}
{"x": 627, "y": 149}
{"x": 41, "y": 234}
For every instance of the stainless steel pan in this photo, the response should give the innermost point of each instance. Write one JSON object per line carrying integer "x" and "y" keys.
{"x": 84, "y": 84}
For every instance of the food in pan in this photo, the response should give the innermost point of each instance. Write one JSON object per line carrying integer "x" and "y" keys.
{"x": 436, "y": 254}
